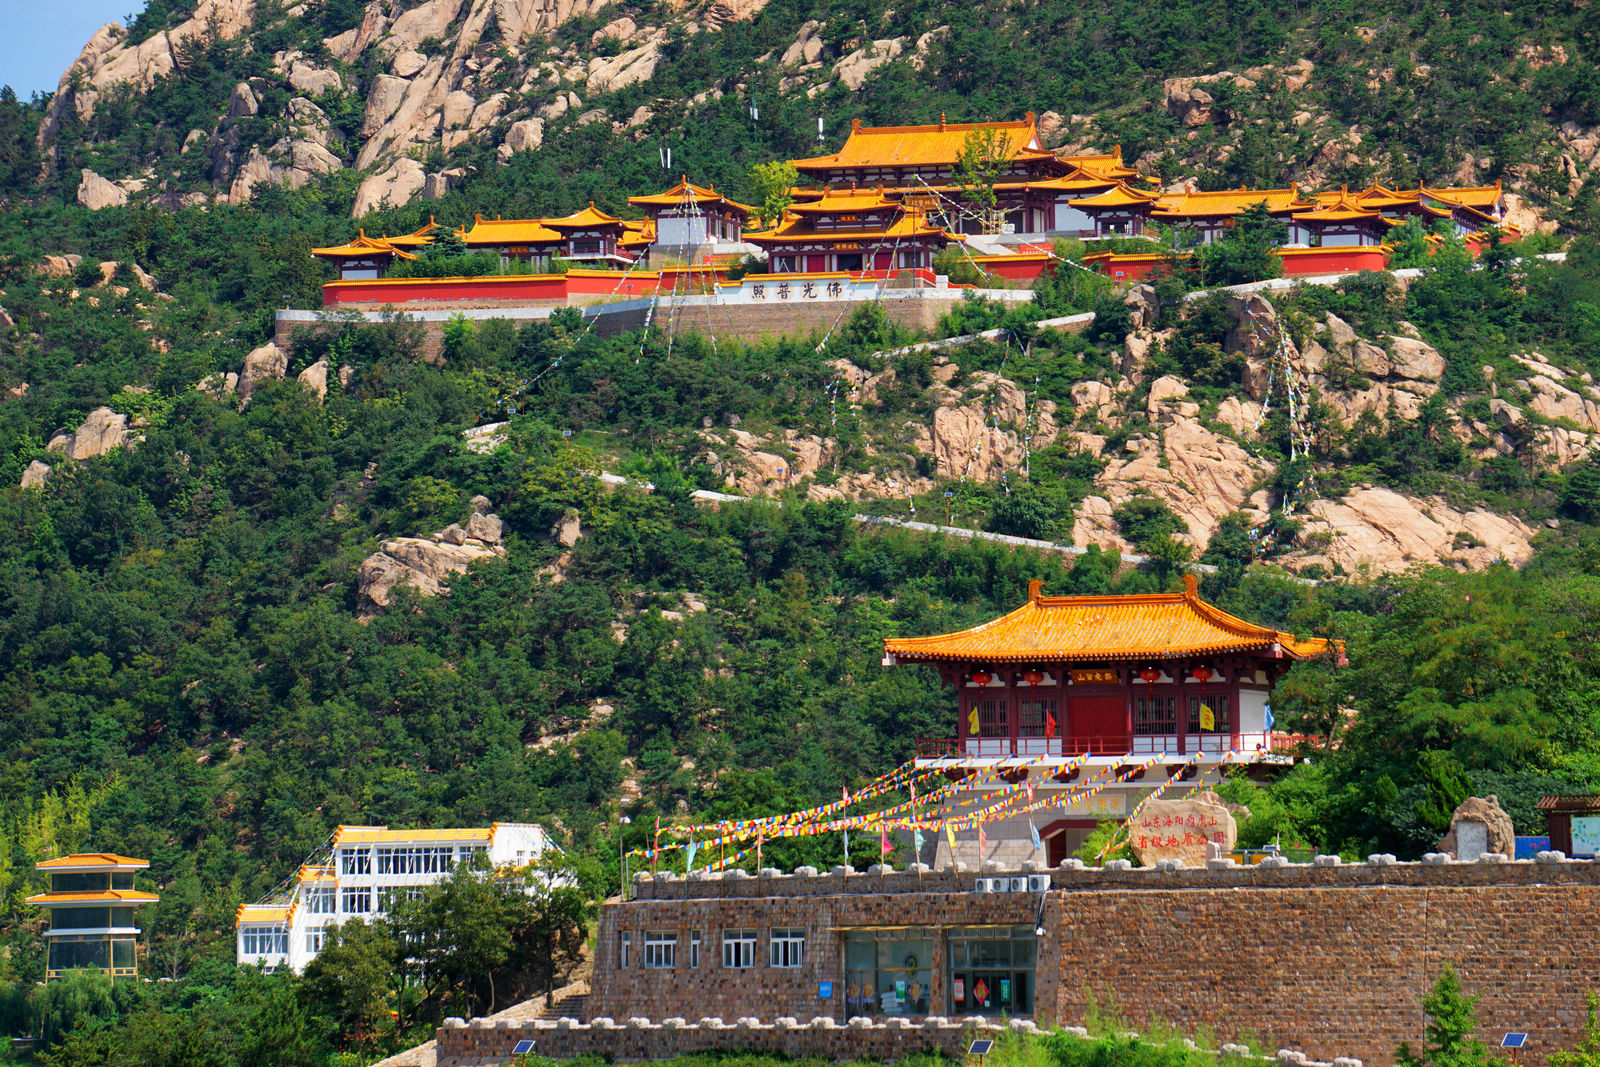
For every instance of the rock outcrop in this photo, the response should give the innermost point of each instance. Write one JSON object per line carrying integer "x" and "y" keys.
{"x": 265, "y": 364}
{"x": 102, "y": 431}
{"x": 395, "y": 186}
{"x": 1182, "y": 829}
{"x": 1479, "y": 825}
{"x": 426, "y": 564}
{"x": 94, "y": 192}
{"x": 35, "y": 475}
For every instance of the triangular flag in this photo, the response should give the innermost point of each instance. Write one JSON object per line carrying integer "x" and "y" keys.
{"x": 1208, "y": 718}
{"x": 846, "y": 791}
{"x": 983, "y": 842}
{"x": 1038, "y": 845}
{"x": 1049, "y": 724}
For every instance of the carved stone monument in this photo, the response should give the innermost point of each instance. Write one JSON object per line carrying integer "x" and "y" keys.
{"x": 1479, "y": 825}
{"x": 1181, "y": 830}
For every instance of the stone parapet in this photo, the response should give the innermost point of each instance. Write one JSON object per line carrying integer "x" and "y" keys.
{"x": 642, "y": 1040}
{"x": 1436, "y": 869}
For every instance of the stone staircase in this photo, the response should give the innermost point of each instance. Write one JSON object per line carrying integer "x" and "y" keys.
{"x": 571, "y": 1006}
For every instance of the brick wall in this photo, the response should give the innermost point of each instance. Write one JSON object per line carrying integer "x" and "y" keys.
{"x": 1330, "y": 959}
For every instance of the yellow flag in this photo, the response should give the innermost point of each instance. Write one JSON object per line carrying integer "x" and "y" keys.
{"x": 1208, "y": 718}
{"x": 950, "y": 836}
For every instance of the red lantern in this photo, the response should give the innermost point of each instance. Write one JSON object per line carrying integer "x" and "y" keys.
{"x": 1202, "y": 674}
{"x": 1150, "y": 674}
{"x": 981, "y": 677}
{"x": 1033, "y": 677}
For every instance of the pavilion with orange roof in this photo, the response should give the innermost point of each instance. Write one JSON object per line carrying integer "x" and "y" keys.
{"x": 93, "y": 907}
{"x": 1163, "y": 677}
{"x": 690, "y": 216}
{"x": 851, "y": 230}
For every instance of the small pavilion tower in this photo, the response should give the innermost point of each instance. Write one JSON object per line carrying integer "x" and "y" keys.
{"x": 92, "y": 905}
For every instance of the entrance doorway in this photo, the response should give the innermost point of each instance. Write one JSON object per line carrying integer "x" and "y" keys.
{"x": 992, "y": 970}
{"x": 1099, "y": 723}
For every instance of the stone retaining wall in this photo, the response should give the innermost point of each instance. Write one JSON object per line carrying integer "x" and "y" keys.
{"x": 640, "y": 1040}
{"x": 1326, "y": 957}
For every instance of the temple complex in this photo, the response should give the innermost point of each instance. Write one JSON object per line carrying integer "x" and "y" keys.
{"x": 687, "y": 216}
{"x": 851, "y": 230}
{"x": 1123, "y": 679}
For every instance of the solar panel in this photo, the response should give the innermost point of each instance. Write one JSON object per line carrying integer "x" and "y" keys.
{"x": 1513, "y": 1040}
{"x": 980, "y": 1047}
{"x": 524, "y": 1047}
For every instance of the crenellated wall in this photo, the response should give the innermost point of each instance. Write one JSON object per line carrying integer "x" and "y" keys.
{"x": 1329, "y": 958}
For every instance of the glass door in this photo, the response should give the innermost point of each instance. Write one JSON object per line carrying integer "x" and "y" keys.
{"x": 992, "y": 970}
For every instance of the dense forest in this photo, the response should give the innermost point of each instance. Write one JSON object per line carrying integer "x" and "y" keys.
{"x": 188, "y": 673}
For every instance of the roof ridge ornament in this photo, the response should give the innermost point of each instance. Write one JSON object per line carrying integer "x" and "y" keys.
{"x": 1035, "y": 586}
{"x": 1191, "y": 587}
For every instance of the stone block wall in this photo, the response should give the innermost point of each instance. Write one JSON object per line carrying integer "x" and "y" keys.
{"x": 1328, "y": 958}
{"x": 641, "y": 1040}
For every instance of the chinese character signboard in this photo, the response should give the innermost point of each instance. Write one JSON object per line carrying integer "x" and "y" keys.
{"x": 1099, "y": 676}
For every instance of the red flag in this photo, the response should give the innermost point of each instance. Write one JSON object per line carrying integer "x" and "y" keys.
{"x": 846, "y": 791}
{"x": 884, "y": 846}
{"x": 983, "y": 842}
{"x": 1049, "y": 725}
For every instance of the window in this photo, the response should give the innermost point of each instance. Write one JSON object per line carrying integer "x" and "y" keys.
{"x": 355, "y": 901}
{"x": 314, "y": 941}
{"x": 625, "y": 950}
{"x": 910, "y": 260}
{"x": 264, "y": 941}
{"x": 1037, "y": 717}
{"x": 888, "y": 971}
{"x": 849, "y": 261}
{"x": 992, "y": 718}
{"x": 785, "y": 264}
{"x": 1155, "y": 715}
{"x": 355, "y": 861}
{"x": 738, "y": 949}
{"x": 1220, "y": 711}
{"x": 694, "y": 948}
{"x": 322, "y": 901}
{"x": 660, "y": 949}
{"x": 788, "y": 947}
{"x": 420, "y": 859}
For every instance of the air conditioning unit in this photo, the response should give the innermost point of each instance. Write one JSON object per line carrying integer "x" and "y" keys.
{"x": 1038, "y": 883}
{"x": 984, "y": 885}
{"x": 1019, "y": 885}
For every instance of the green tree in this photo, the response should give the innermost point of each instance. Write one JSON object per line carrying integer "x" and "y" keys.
{"x": 985, "y": 155}
{"x": 351, "y": 981}
{"x": 1244, "y": 253}
{"x": 1587, "y": 1051}
{"x": 1452, "y": 1022}
{"x": 774, "y": 184}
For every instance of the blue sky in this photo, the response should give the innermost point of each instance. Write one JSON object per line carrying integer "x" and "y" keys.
{"x": 41, "y": 38}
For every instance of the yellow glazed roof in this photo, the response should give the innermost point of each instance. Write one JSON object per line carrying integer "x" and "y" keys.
{"x": 587, "y": 218}
{"x": 844, "y": 201}
{"x": 686, "y": 192}
{"x": 1145, "y": 626}
{"x": 92, "y": 896}
{"x": 91, "y": 861}
{"x": 1228, "y": 202}
{"x": 1120, "y": 195}
{"x": 510, "y": 232}
{"x": 369, "y": 246}
{"x": 926, "y": 146}
{"x": 1338, "y": 207}
{"x": 795, "y": 228}
{"x": 1475, "y": 196}
{"x": 262, "y": 913}
{"x": 382, "y": 835}
{"x": 1108, "y": 165}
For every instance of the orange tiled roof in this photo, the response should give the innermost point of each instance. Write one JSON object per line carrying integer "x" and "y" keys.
{"x": 382, "y": 835}
{"x": 589, "y": 218}
{"x": 686, "y": 192}
{"x": 90, "y": 861}
{"x": 416, "y": 238}
{"x": 924, "y": 146}
{"x": 366, "y": 246}
{"x": 797, "y": 228}
{"x": 261, "y": 913}
{"x": 638, "y": 234}
{"x": 1473, "y": 196}
{"x": 1338, "y": 207}
{"x": 92, "y": 896}
{"x": 1106, "y": 165}
{"x": 1192, "y": 204}
{"x": 1119, "y": 195}
{"x": 1145, "y": 626}
{"x": 844, "y": 201}
{"x": 510, "y": 232}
